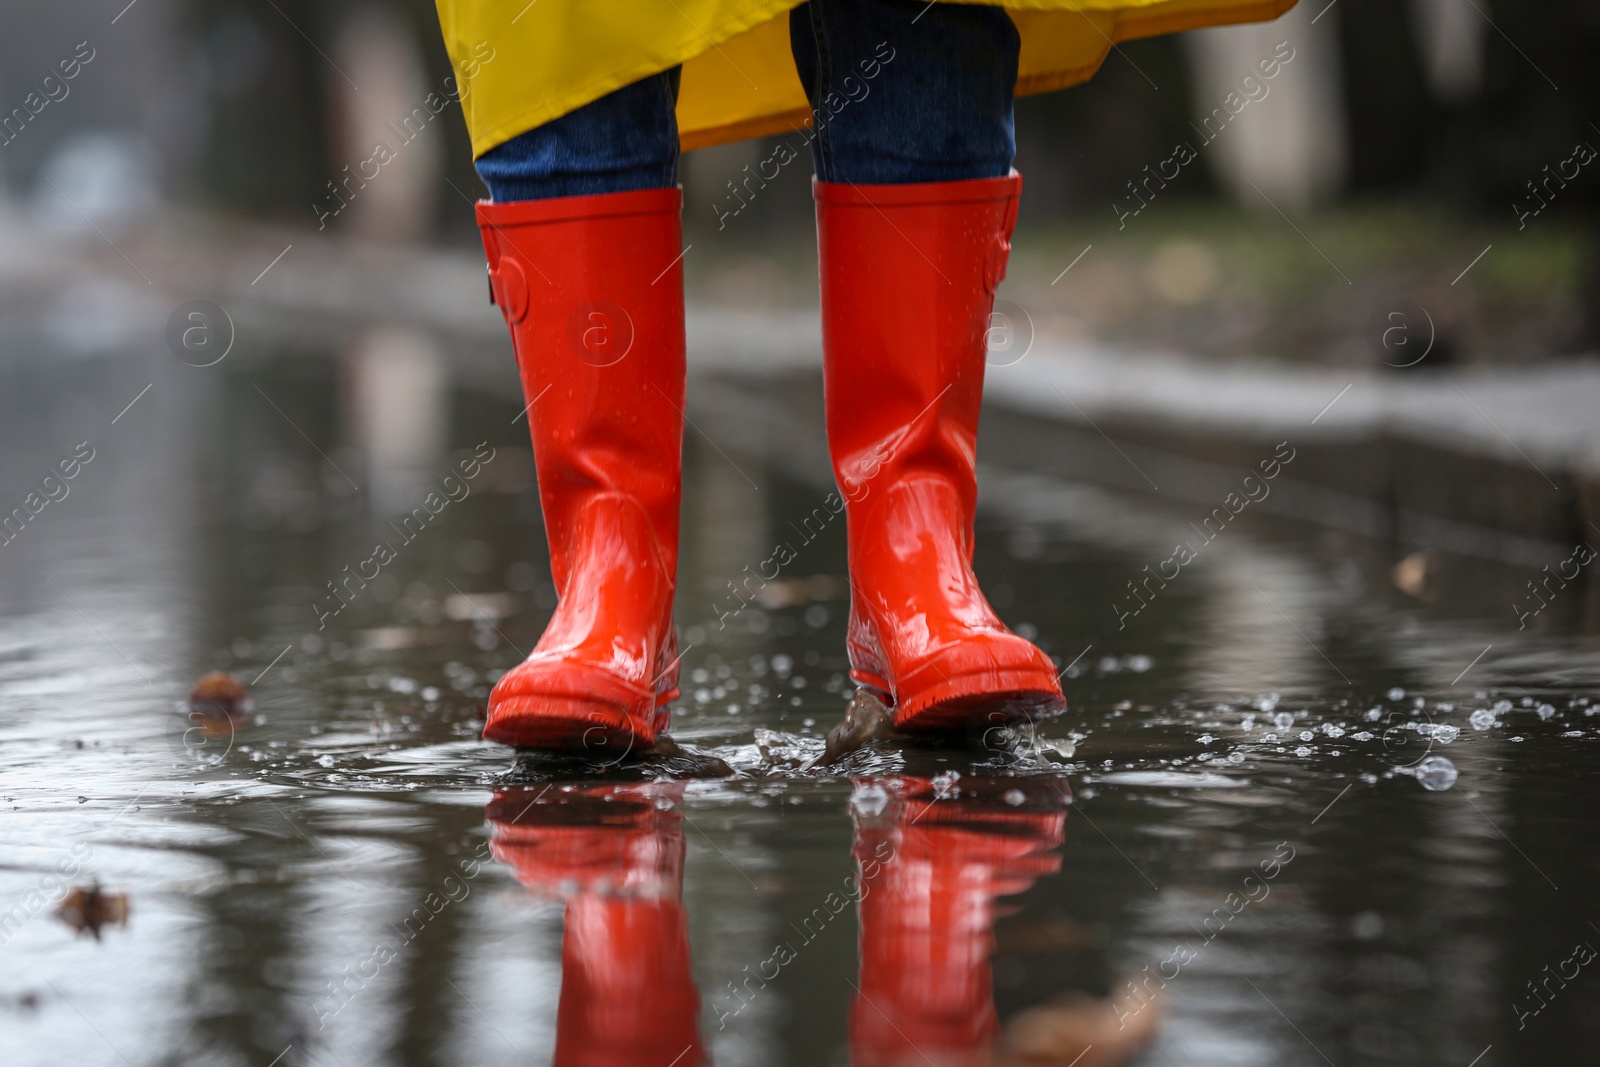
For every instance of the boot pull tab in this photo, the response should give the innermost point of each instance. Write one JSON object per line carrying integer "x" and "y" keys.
{"x": 994, "y": 266}
{"x": 508, "y": 288}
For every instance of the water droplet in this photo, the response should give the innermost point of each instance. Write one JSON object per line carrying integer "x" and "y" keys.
{"x": 1436, "y": 773}
{"x": 1481, "y": 719}
{"x": 1283, "y": 720}
{"x": 869, "y": 799}
{"x": 1061, "y": 747}
{"x": 1013, "y": 797}
{"x": 1396, "y": 693}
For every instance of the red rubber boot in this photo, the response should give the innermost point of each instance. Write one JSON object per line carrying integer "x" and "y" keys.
{"x": 593, "y": 292}
{"x": 908, "y": 280}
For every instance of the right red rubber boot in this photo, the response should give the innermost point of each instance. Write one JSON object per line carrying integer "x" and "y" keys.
{"x": 908, "y": 279}
{"x": 592, "y": 289}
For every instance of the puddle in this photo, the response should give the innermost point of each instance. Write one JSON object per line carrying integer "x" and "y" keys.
{"x": 1341, "y": 840}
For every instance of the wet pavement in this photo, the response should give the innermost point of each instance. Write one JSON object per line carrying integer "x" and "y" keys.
{"x": 1293, "y": 816}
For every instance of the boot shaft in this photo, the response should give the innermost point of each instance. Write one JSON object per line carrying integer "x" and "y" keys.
{"x": 592, "y": 289}
{"x": 908, "y": 277}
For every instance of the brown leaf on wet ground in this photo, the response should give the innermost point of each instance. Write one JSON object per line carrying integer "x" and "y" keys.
{"x": 88, "y": 908}
{"x": 1411, "y": 575}
{"x": 866, "y": 719}
{"x": 218, "y": 703}
{"x": 219, "y": 693}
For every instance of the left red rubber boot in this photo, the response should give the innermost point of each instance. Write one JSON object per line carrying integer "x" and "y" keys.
{"x": 908, "y": 280}
{"x": 592, "y": 288}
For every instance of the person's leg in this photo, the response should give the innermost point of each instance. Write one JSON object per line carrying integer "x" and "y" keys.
{"x": 916, "y": 200}
{"x": 904, "y": 91}
{"x": 627, "y": 139}
{"x": 583, "y": 240}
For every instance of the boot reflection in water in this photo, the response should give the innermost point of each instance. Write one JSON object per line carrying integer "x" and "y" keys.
{"x": 614, "y": 854}
{"x": 932, "y": 872}
{"x": 933, "y": 867}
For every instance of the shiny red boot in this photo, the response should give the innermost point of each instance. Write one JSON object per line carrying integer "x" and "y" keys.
{"x": 908, "y": 280}
{"x": 593, "y": 292}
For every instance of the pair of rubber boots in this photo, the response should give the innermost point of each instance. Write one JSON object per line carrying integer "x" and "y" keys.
{"x": 592, "y": 289}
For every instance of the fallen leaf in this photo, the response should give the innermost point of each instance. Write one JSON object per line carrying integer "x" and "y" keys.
{"x": 90, "y": 907}
{"x": 219, "y": 693}
{"x": 1411, "y": 574}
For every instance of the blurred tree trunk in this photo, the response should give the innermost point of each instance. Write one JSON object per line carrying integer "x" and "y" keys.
{"x": 1292, "y": 146}
{"x": 1386, "y": 93}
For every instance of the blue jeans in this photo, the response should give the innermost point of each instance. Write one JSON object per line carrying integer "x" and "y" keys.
{"x": 900, "y": 90}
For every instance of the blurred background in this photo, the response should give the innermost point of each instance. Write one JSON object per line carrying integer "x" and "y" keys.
{"x": 1405, "y": 139}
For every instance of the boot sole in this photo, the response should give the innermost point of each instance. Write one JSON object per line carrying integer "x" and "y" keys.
{"x": 989, "y": 698}
{"x": 575, "y": 707}
{"x": 582, "y": 725}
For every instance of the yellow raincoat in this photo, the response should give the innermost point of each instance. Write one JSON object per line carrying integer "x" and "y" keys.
{"x": 521, "y": 65}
